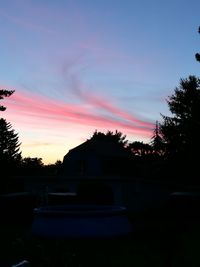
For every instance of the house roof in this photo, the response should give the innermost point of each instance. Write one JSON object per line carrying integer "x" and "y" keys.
{"x": 101, "y": 148}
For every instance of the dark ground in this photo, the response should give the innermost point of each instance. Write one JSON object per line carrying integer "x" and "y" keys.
{"x": 156, "y": 240}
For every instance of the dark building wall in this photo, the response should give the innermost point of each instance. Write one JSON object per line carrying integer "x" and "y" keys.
{"x": 81, "y": 163}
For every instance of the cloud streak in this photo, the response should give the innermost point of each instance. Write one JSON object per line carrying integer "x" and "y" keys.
{"x": 108, "y": 106}
{"x": 25, "y": 23}
{"x": 99, "y": 102}
{"x": 45, "y": 112}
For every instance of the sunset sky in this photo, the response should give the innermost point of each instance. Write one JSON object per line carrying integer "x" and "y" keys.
{"x": 83, "y": 65}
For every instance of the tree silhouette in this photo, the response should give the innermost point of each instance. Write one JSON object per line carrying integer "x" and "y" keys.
{"x": 197, "y": 55}
{"x": 181, "y": 131}
{"x": 10, "y": 155}
{"x": 139, "y": 148}
{"x": 31, "y": 166}
{"x": 3, "y": 94}
{"x": 157, "y": 142}
{"x": 32, "y": 163}
{"x": 115, "y": 137}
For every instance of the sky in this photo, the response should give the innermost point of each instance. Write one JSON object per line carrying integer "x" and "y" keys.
{"x": 83, "y": 65}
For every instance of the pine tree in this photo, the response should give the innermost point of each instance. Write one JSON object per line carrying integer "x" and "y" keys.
{"x": 10, "y": 154}
{"x": 182, "y": 130}
{"x": 157, "y": 141}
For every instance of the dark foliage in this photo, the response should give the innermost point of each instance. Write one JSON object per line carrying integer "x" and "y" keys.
{"x": 30, "y": 166}
{"x": 10, "y": 154}
{"x": 181, "y": 131}
{"x": 53, "y": 169}
{"x": 29, "y": 162}
{"x": 157, "y": 142}
{"x": 5, "y": 93}
{"x": 114, "y": 137}
{"x": 140, "y": 149}
{"x": 35, "y": 166}
{"x": 197, "y": 55}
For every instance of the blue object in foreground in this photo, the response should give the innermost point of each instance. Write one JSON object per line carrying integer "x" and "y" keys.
{"x": 80, "y": 221}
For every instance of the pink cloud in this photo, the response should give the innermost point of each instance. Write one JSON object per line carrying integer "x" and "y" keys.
{"x": 108, "y": 106}
{"x": 44, "y": 112}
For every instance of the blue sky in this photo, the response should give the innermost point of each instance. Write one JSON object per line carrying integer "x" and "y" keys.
{"x": 81, "y": 65}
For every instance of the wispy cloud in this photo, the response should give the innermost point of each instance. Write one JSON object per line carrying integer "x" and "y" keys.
{"x": 37, "y": 144}
{"x": 88, "y": 95}
{"x": 44, "y": 112}
{"x": 107, "y": 105}
{"x": 24, "y": 23}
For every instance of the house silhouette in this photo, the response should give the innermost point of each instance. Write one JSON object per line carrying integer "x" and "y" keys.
{"x": 97, "y": 157}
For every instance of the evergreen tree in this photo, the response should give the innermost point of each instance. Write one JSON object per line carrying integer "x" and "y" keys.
{"x": 157, "y": 142}
{"x": 10, "y": 155}
{"x": 181, "y": 131}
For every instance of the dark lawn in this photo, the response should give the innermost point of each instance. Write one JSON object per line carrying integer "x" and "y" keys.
{"x": 154, "y": 242}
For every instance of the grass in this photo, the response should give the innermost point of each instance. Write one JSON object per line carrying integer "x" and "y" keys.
{"x": 153, "y": 243}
